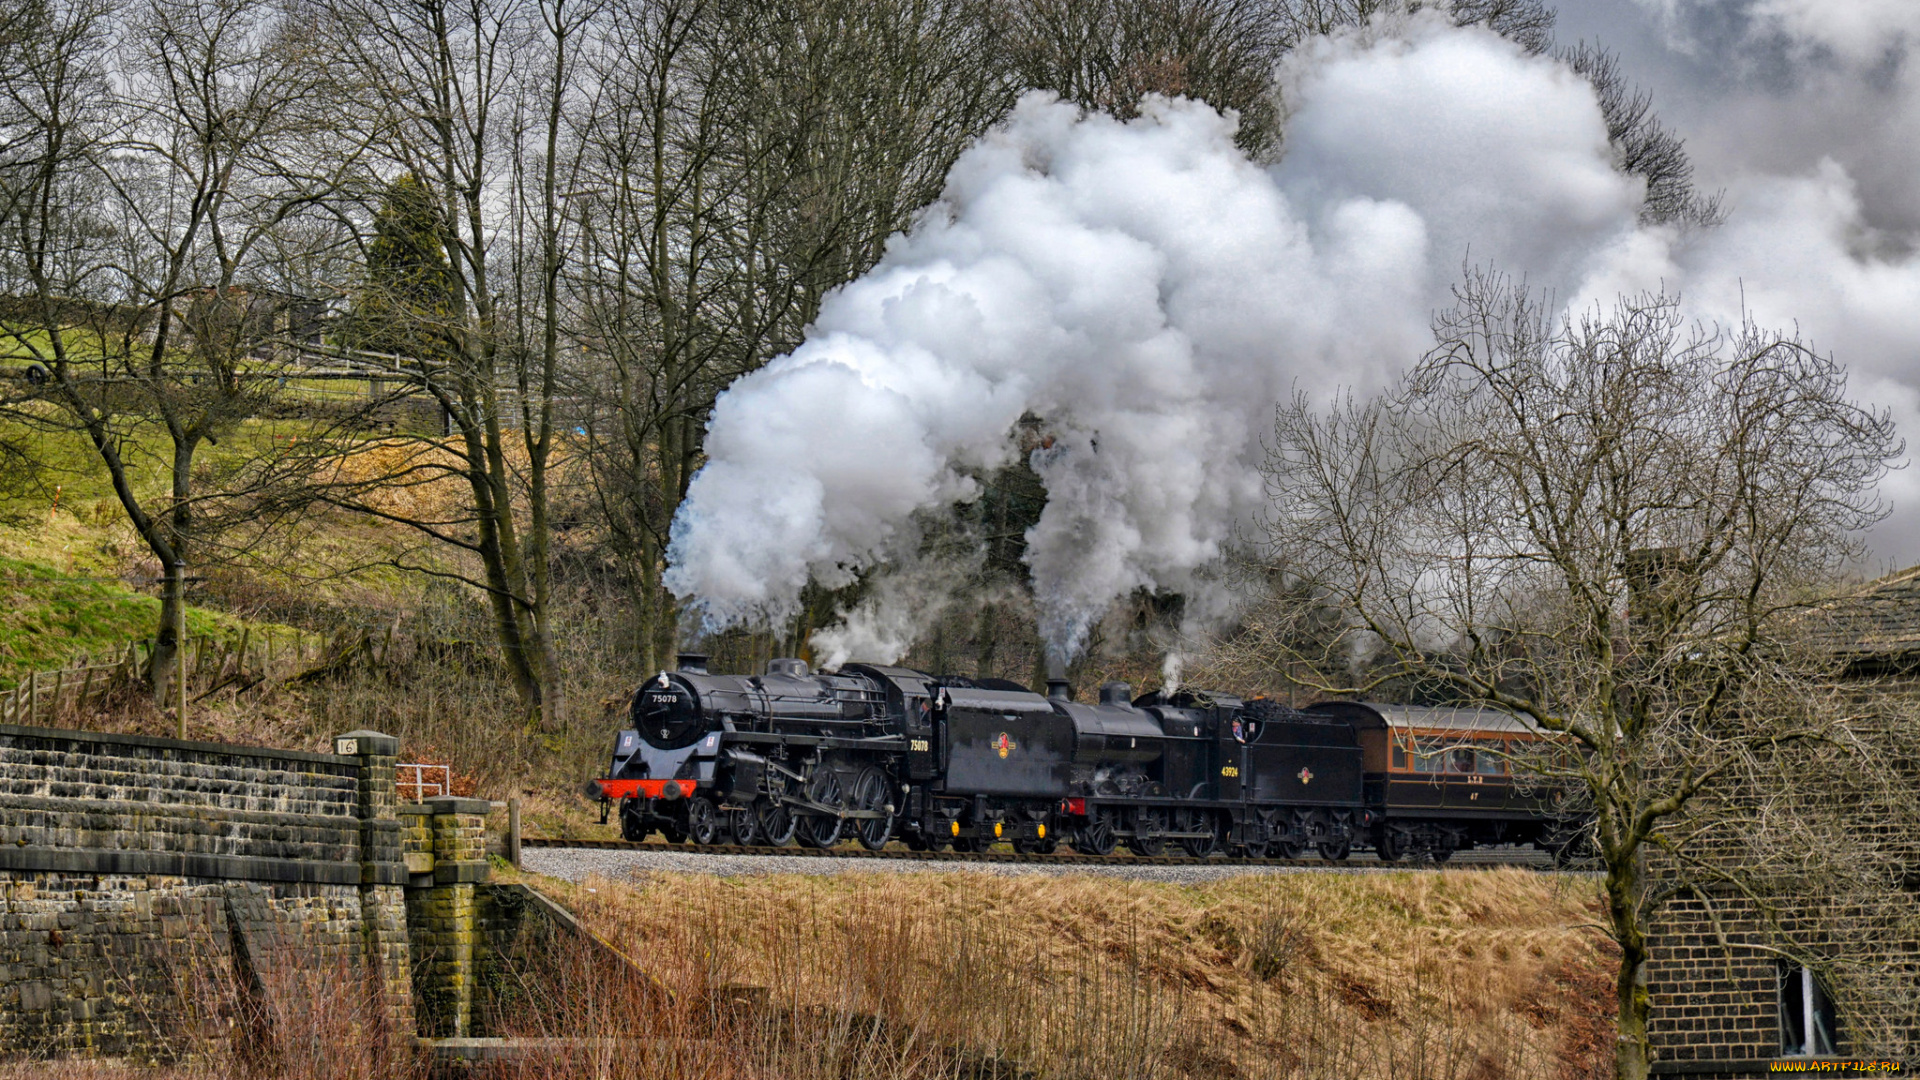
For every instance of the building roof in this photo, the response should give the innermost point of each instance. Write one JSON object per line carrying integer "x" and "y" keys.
{"x": 1880, "y": 620}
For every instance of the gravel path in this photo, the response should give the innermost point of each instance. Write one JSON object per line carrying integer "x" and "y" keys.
{"x": 577, "y": 864}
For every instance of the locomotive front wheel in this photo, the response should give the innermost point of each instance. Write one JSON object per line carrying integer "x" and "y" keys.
{"x": 633, "y": 824}
{"x": 745, "y": 826}
{"x": 703, "y": 821}
{"x": 777, "y": 823}
{"x": 872, "y": 792}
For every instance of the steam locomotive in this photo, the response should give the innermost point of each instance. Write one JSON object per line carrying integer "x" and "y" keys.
{"x": 874, "y": 754}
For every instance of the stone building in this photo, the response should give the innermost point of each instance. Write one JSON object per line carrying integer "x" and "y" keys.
{"x": 1762, "y": 970}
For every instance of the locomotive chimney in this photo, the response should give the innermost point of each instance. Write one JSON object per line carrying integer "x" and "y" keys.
{"x": 693, "y": 663}
{"x": 1060, "y": 689}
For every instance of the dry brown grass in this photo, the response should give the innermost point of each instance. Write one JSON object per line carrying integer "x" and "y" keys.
{"x": 1449, "y": 976}
{"x": 1457, "y": 975}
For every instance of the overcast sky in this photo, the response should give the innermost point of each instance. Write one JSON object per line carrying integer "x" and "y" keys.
{"x": 1807, "y": 114}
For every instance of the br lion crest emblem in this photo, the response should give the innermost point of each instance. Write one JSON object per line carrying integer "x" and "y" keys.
{"x": 1004, "y": 743}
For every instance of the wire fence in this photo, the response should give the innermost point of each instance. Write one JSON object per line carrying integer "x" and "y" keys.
{"x": 213, "y": 663}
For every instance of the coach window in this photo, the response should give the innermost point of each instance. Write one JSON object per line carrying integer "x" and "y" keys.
{"x": 1429, "y": 755}
{"x": 1460, "y": 760}
{"x": 1399, "y": 744}
{"x": 1491, "y": 759}
{"x": 1807, "y": 1022}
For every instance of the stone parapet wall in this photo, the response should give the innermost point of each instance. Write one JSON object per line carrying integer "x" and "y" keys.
{"x": 441, "y": 915}
{"x": 130, "y": 867}
{"x": 84, "y": 802}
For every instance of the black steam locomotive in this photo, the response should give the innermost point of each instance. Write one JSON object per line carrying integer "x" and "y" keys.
{"x": 878, "y": 753}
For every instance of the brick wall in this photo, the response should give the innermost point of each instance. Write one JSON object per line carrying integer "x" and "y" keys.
{"x": 128, "y": 862}
{"x": 1712, "y": 1007}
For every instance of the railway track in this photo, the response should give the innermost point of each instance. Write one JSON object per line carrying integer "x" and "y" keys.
{"x": 1481, "y": 858}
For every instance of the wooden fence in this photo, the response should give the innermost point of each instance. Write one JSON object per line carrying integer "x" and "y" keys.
{"x": 212, "y": 664}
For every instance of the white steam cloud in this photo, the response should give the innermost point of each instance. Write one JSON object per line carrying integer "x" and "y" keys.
{"x": 1151, "y": 294}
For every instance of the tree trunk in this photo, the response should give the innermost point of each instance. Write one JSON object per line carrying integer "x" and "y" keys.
{"x": 160, "y": 664}
{"x": 1634, "y": 1053}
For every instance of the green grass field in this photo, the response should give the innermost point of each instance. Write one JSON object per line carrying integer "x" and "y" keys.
{"x": 70, "y": 577}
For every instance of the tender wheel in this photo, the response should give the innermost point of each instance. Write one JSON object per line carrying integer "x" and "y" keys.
{"x": 873, "y": 792}
{"x": 1149, "y": 825}
{"x": 1388, "y": 847}
{"x": 1286, "y": 849}
{"x": 703, "y": 821}
{"x": 744, "y": 825}
{"x": 818, "y": 830}
{"x": 1442, "y": 854}
{"x": 777, "y": 823}
{"x": 633, "y": 822}
{"x": 1336, "y": 850}
{"x": 1096, "y": 837}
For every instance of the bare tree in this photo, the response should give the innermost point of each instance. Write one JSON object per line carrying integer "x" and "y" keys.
{"x": 747, "y": 159}
{"x": 477, "y": 102}
{"x": 1107, "y": 54}
{"x": 1608, "y": 527}
{"x": 1647, "y": 149}
{"x": 139, "y": 246}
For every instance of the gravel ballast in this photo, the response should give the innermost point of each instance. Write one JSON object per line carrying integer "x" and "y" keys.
{"x": 578, "y": 864}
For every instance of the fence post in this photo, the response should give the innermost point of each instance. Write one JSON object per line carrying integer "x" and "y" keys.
{"x": 33, "y": 697}
{"x": 513, "y": 832}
